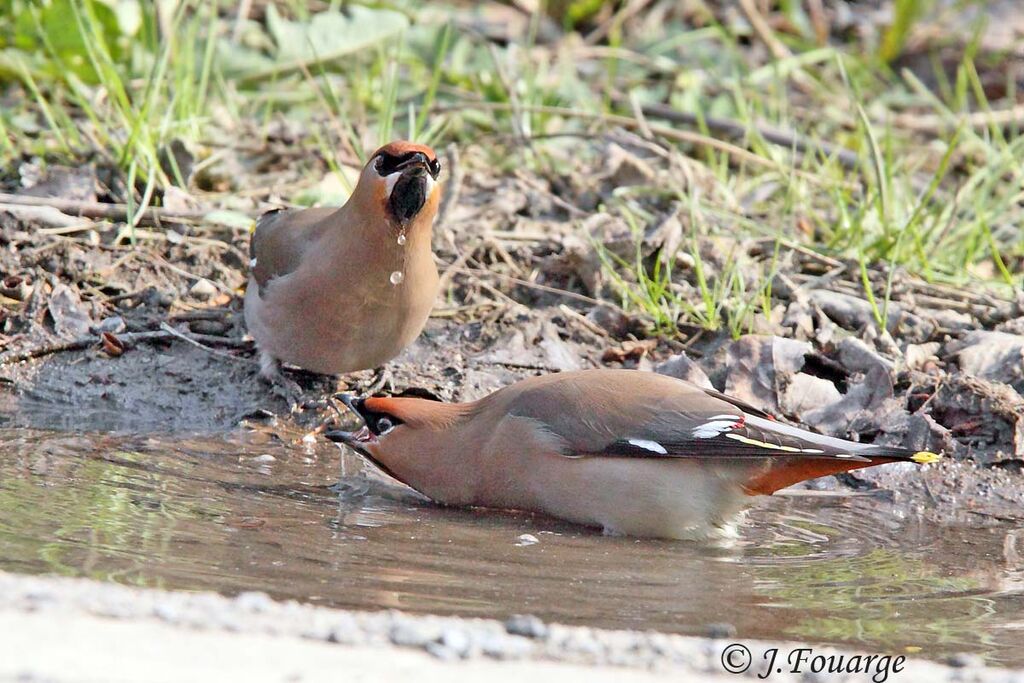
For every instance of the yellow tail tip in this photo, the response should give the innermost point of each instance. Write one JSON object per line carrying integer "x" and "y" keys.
{"x": 925, "y": 457}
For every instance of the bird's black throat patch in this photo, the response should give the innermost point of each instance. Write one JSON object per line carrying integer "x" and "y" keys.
{"x": 409, "y": 195}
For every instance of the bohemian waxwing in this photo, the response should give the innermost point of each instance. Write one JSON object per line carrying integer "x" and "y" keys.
{"x": 335, "y": 290}
{"x": 633, "y": 452}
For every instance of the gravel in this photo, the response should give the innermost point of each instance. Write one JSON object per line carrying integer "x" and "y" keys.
{"x": 514, "y": 643}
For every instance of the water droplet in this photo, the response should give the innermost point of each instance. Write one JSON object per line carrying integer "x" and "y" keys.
{"x": 401, "y": 240}
{"x": 397, "y": 277}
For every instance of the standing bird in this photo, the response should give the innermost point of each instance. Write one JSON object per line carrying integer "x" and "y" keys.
{"x": 634, "y": 452}
{"x": 335, "y": 290}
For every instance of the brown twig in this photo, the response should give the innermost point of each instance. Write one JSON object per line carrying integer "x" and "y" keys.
{"x": 935, "y": 123}
{"x": 584, "y": 322}
{"x": 128, "y": 337}
{"x": 478, "y": 272}
{"x": 453, "y": 186}
{"x": 618, "y": 19}
{"x": 199, "y": 345}
{"x": 783, "y": 138}
{"x": 113, "y": 212}
{"x": 738, "y": 153}
{"x": 764, "y": 31}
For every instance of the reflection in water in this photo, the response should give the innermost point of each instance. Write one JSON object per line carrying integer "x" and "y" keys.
{"x": 250, "y": 511}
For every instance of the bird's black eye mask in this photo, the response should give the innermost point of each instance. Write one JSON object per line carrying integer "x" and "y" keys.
{"x": 391, "y": 163}
{"x": 378, "y": 423}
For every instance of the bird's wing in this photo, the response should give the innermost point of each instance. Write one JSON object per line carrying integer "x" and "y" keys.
{"x": 640, "y": 414}
{"x": 281, "y": 238}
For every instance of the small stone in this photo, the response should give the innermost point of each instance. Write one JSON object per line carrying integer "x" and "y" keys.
{"x": 165, "y": 611}
{"x": 214, "y": 328}
{"x": 502, "y": 646}
{"x": 456, "y": 640}
{"x": 443, "y": 653}
{"x": 963, "y": 660}
{"x": 411, "y": 634}
{"x": 203, "y": 289}
{"x": 526, "y": 625}
{"x": 345, "y": 631}
{"x": 584, "y": 644}
{"x": 255, "y": 601}
{"x": 114, "y": 325}
{"x": 527, "y": 539}
{"x": 721, "y": 630}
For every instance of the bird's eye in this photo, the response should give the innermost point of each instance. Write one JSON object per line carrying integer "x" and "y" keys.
{"x": 384, "y": 425}
{"x": 435, "y": 167}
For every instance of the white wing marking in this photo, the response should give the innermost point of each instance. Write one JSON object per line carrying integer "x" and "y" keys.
{"x": 649, "y": 445}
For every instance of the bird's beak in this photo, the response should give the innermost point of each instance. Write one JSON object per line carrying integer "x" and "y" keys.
{"x": 416, "y": 164}
{"x": 350, "y": 402}
{"x": 357, "y": 440}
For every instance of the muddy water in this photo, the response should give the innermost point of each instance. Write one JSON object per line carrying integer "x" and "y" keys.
{"x": 252, "y": 511}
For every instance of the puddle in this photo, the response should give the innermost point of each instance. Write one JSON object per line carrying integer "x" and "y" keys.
{"x": 248, "y": 511}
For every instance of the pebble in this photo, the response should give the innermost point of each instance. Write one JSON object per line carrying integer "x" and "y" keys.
{"x": 214, "y": 328}
{"x": 501, "y": 646}
{"x": 260, "y": 459}
{"x": 346, "y": 631}
{"x": 963, "y": 660}
{"x": 722, "y": 630}
{"x": 582, "y": 643}
{"x": 167, "y": 612}
{"x": 203, "y": 289}
{"x": 114, "y": 325}
{"x": 456, "y": 640}
{"x": 527, "y": 539}
{"x": 441, "y": 652}
{"x": 526, "y": 625}
{"x": 255, "y": 601}
{"x": 411, "y": 634}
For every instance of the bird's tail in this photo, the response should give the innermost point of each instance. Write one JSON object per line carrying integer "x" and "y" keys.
{"x": 884, "y": 454}
{"x": 783, "y": 472}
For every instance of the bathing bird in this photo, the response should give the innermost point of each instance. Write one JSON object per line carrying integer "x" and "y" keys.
{"x": 632, "y": 452}
{"x": 335, "y": 290}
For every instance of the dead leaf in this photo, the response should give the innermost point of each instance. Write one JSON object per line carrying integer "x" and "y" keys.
{"x": 113, "y": 346}
{"x": 996, "y": 356}
{"x": 70, "y": 318}
{"x": 759, "y": 367}
{"x": 629, "y": 350}
{"x": 683, "y": 367}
